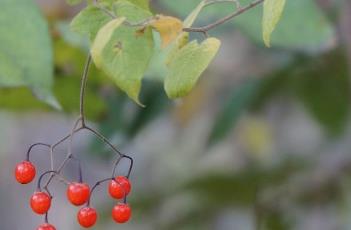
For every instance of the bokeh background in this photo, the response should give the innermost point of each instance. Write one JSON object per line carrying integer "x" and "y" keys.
{"x": 262, "y": 142}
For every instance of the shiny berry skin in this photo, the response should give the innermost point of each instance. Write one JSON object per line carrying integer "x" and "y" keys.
{"x": 121, "y": 213}
{"x": 87, "y": 217}
{"x": 46, "y": 227}
{"x": 25, "y": 172}
{"x": 40, "y": 202}
{"x": 78, "y": 193}
{"x": 119, "y": 187}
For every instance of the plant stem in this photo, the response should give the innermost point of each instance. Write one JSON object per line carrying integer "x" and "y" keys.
{"x": 82, "y": 89}
{"x": 205, "y": 29}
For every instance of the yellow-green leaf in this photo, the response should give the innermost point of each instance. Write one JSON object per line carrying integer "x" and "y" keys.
{"x": 189, "y": 21}
{"x": 120, "y": 53}
{"x": 102, "y": 38}
{"x": 73, "y": 2}
{"x": 168, "y": 27}
{"x": 187, "y": 65}
{"x": 272, "y": 12}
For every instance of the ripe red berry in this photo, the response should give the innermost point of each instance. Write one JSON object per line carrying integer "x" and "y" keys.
{"x": 119, "y": 187}
{"x": 87, "y": 217}
{"x": 121, "y": 213}
{"x": 40, "y": 202}
{"x": 25, "y": 172}
{"x": 46, "y": 226}
{"x": 78, "y": 193}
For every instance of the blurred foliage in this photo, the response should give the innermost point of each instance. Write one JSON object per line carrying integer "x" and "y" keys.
{"x": 320, "y": 82}
{"x": 25, "y": 49}
{"x": 294, "y": 30}
{"x": 235, "y": 105}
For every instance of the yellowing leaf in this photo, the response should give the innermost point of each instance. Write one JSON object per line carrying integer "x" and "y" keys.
{"x": 187, "y": 65}
{"x": 168, "y": 27}
{"x": 272, "y": 11}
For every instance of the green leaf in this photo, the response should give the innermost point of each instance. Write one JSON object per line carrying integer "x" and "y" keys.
{"x": 187, "y": 65}
{"x": 73, "y": 2}
{"x": 26, "y": 49}
{"x": 121, "y": 53}
{"x": 89, "y": 21}
{"x": 241, "y": 99}
{"x": 272, "y": 12}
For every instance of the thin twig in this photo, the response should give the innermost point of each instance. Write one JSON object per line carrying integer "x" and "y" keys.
{"x": 205, "y": 29}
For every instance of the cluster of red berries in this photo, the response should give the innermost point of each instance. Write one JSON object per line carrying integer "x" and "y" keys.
{"x": 78, "y": 193}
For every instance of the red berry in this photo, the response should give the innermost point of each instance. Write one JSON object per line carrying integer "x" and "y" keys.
{"x": 119, "y": 187}
{"x": 40, "y": 202}
{"x": 25, "y": 172}
{"x": 78, "y": 193}
{"x": 121, "y": 213}
{"x": 87, "y": 217}
{"x": 46, "y": 227}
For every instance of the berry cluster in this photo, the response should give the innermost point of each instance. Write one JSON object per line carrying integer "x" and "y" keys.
{"x": 78, "y": 193}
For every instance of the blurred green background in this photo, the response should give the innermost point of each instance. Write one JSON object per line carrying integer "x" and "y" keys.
{"x": 262, "y": 142}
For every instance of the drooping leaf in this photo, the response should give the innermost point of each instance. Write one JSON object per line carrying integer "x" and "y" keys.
{"x": 168, "y": 27}
{"x": 272, "y": 12}
{"x": 89, "y": 21}
{"x": 25, "y": 49}
{"x": 186, "y": 66}
{"x": 121, "y": 53}
{"x": 241, "y": 99}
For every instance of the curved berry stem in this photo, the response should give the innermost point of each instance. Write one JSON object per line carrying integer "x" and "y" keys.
{"x": 47, "y": 217}
{"x": 34, "y": 145}
{"x": 55, "y": 173}
{"x": 95, "y": 186}
{"x": 117, "y": 163}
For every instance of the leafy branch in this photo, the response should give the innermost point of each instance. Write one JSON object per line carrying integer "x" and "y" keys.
{"x": 123, "y": 35}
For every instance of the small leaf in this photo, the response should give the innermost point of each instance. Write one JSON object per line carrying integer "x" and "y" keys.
{"x": 168, "y": 27}
{"x": 89, "y": 21}
{"x": 189, "y": 21}
{"x": 73, "y": 2}
{"x": 120, "y": 53}
{"x": 272, "y": 12}
{"x": 187, "y": 65}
